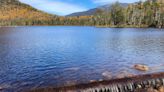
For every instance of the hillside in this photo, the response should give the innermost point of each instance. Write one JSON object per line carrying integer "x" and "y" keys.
{"x": 93, "y": 11}
{"x": 14, "y": 12}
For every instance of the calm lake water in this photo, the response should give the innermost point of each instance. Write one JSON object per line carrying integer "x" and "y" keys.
{"x": 33, "y": 57}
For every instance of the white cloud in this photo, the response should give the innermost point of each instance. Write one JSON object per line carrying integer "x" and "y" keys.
{"x": 54, "y": 7}
{"x": 112, "y": 1}
{"x": 102, "y": 1}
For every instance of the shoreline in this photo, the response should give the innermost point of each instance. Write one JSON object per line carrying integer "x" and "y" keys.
{"x": 97, "y": 26}
{"x": 132, "y": 84}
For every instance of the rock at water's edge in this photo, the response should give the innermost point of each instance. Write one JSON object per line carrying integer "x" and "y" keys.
{"x": 107, "y": 75}
{"x": 141, "y": 67}
{"x": 161, "y": 89}
{"x": 151, "y": 90}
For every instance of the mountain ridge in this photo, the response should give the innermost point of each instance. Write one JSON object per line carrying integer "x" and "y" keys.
{"x": 89, "y": 12}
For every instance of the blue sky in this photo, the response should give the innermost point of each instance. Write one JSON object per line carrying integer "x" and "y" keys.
{"x": 64, "y": 7}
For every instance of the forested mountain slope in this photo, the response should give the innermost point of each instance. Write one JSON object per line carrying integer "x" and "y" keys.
{"x": 13, "y": 12}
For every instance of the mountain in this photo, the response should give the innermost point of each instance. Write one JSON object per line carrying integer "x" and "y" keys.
{"x": 14, "y": 12}
{"x": 93, "y": 11}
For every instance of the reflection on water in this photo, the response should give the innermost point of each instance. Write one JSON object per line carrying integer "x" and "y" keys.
{"x": 32, "y": 57}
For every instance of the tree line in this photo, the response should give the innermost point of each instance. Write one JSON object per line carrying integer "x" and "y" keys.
{"x": 140, "y": 14}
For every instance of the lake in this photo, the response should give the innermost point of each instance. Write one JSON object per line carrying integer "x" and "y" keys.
{"x": 34, "y": 57}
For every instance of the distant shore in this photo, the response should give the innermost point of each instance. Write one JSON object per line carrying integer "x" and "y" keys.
{"x": 98, "y": 26}
{"x": 124, "y": 26}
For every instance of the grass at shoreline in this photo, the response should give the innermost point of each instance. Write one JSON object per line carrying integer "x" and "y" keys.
{"x": 98, "y": 26}
{"x": 123, "y": 26}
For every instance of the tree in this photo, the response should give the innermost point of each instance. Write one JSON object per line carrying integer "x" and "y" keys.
{"x": 117, "y": 14}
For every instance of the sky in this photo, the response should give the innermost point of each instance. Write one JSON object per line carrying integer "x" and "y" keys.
{"x": 65, "y": 7}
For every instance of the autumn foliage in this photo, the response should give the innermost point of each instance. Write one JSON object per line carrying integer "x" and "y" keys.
{"x": 149, "y": 13}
